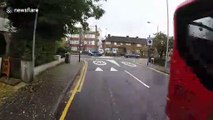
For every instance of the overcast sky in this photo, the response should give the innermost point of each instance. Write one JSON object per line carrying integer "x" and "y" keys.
{"x": 129, "y": 17}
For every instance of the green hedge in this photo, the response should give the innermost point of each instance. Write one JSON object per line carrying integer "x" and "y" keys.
{"x": 159, "y": 61}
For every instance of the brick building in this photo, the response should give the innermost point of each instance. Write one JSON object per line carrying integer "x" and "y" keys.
{"x": 89, "y": 41}
{"x": 122, "y": 45}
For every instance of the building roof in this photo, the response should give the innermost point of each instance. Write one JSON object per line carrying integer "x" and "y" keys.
{"x": 126, "y": 39}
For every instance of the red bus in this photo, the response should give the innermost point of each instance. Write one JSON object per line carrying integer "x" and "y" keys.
{"x": 190, "y": 95}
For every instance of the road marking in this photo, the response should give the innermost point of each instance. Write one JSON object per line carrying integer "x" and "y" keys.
{"x": 137, "y": 79}
{"x": 64, "y": 113}
{"x": 129, "y": 64}
{"x": 158, "y": 71}
{"x": 83, "y": 78}
{"x": 114, "y": 62}
{"x": 99, "y": 63}
{"x": 113, "y": 69}
{"x": 105, "y": 57}
{"x": 98, "y": 69}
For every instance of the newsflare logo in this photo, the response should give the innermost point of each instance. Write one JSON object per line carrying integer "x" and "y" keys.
{"x": 10, "y": 10}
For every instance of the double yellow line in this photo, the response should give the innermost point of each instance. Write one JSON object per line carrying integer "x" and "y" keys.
{"x": 77, "y": 88}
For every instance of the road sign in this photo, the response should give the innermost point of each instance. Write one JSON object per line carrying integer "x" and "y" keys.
{"x": 149, "y": 41}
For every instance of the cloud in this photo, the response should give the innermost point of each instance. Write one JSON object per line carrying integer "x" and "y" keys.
{"x": 129, "y": 17}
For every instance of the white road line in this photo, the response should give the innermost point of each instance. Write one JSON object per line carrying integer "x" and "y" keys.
{"x": 114, "y": 62}
{"x": 113, "y": 69}
{"x": 158, "y": 71}
{"x": 137, "y": 79}
{"x": 98, "y": 69}
{"x": 129, "y": 64}
{"x": 99, "y": 62}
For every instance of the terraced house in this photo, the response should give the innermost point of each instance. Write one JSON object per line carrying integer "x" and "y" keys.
{"x": 121, "y": 45}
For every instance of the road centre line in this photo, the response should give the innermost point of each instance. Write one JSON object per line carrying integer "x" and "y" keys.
{"x": 137, "y": 79}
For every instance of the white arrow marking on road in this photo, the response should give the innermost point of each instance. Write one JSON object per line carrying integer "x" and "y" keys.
{"x": 98, "y": 69}
{"x": 114, "y": 62}
{"x": 137, "y": 79}
{"x": 113, "y": 69}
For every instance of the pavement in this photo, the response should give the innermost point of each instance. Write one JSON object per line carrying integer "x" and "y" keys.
{"x": 119, "y": 89}
{"x": 40, "y": 100}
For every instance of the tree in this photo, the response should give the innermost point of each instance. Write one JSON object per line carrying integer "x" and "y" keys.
{"x": 159, "y": 42}
{"x": 53, "y": 16}
{"x": 171, "y": 43}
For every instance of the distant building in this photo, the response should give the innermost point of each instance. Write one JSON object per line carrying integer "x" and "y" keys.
{"x": 89, "y": 41}
{"x": 122, "y": 45}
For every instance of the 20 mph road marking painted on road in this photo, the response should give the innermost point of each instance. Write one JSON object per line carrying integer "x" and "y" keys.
{"x": 99, "y": 63}
{"x": 137, "y": 79}
{"x": 129, "y": 64}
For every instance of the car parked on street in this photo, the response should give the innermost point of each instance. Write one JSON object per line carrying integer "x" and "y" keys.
{"x": 131, "y": 55}
{"x": 94, "y": 53}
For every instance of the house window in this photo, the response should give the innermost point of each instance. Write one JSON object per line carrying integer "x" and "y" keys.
{"x": 93, "y": 42}
{"x": 85, "y": 42}
{"x": 138, "y": 45}
{"x": 75, "y": 36}
{"x": 128, "y": 44}
{"x": 121, "y": 44}
{"x": 108, "y": 43}
{"x": 74, "y": 48}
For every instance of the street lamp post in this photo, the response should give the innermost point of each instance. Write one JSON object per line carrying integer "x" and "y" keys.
{"x": 33, "y": 46}
{"x": 167, "y": 42}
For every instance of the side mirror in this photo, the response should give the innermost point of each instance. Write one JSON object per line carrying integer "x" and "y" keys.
{"x": 194, "y": 35}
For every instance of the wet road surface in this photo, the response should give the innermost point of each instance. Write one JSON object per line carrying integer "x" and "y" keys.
{"x": 120, "y": 89}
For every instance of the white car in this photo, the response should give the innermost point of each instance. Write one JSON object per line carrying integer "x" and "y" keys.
{"x": 101, "y": 51}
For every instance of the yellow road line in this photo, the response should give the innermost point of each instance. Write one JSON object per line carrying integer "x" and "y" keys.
{"x": 64, "y": 113}
{"x": 83, "y": 79}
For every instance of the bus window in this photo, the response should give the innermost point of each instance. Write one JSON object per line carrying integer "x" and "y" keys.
{"x": 200, "y": 43}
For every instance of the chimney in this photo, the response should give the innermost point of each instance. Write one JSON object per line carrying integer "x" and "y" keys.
{"x": 136, "y": 36}
{"x": 109, "y": 35}
{"x": 127, "y": 36}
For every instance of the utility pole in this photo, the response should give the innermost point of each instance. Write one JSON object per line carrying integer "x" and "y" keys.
{"x": 167, "y": 42}
{"x": 33, "y": 46}
{"x": 96, "y": 37}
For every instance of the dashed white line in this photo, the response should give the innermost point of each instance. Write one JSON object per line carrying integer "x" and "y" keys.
{"x": 137, "y": 79}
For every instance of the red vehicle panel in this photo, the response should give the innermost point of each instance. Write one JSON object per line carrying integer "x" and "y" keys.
{"x": 188, "y": 98}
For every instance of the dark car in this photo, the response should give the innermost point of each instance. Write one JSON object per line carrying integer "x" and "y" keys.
{"x": 131, "y": 55}
{"x": 95, "y": 53}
